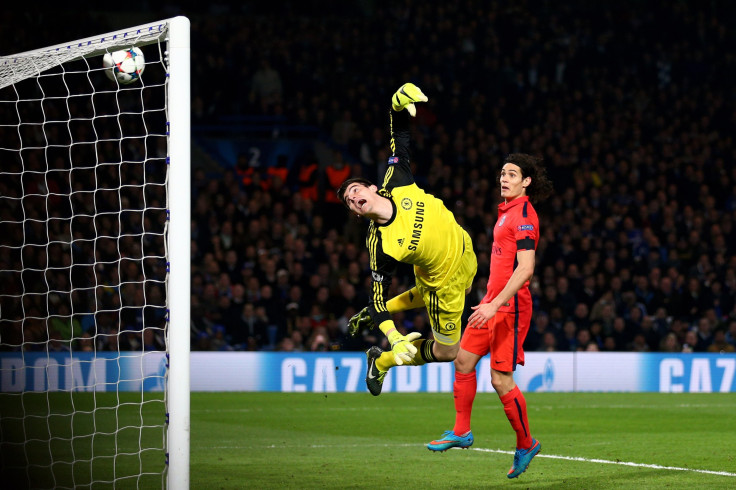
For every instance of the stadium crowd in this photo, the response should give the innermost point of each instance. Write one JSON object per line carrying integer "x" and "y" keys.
{"x": 630, "y": 105}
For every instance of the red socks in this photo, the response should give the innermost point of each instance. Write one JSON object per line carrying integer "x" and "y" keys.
{"x": 464, "y": 393}
{"x": 514, "y": 405}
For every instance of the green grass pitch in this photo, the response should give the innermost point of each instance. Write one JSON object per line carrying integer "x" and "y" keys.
{"x": 589, "y": 440}
{"x": 355, "y": 440}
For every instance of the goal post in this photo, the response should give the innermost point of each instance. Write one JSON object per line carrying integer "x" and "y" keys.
{"x": 95, "y": 264}
{"x": 179, "y": 253}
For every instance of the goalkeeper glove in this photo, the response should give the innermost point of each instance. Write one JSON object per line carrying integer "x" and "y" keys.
{"x": 360, "y": 321}
{"x": 402, "y": 347}
{"x": 406, "y": 96}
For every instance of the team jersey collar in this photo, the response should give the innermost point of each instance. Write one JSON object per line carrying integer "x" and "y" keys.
{"x": 505, "y": 206}
{"x": 393, "y": 212}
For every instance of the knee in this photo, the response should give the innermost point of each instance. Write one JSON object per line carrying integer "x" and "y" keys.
{"x": 445, "y": 353}
{"x": 463, "y": 365}
{"x": 502, "y": 383}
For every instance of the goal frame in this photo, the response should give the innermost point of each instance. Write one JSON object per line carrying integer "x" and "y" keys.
{"x": 21, "y": 66}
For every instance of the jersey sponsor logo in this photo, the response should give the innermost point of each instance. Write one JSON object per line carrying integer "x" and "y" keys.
{"x": 392, "y": 160}
{"x": 401, "y": 242}
{"x": 495, "y": 249}
{"x": 502, "y": 220}
{"x": 406, "y": 203}
{"x": 376, "y": 276}
{"x": 525, "y": 227}
{"x": 416, "y": 233}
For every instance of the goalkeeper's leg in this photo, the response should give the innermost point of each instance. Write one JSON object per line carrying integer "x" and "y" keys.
{"x": 408, "y": 300}
{"x": 423, "y": 356}
{"x": 427, "y": 351}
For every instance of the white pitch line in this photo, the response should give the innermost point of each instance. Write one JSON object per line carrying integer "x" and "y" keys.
{"x": 499, "y": 451}
{"x": 605, "y": 461}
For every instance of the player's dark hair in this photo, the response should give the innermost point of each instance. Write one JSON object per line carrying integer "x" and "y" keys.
{"x": 346, "y": 184}
{"x": 531, "y": 166}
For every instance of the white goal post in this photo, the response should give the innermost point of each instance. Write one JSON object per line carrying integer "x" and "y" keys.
{"x": 95, "y": 264}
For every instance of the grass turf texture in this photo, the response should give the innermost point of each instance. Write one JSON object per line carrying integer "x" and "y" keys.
{"x": 354, "y": 440}
{"x": 311, "y": 440}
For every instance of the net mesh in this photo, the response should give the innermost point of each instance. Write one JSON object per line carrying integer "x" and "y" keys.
{"x": 83, "y": 266}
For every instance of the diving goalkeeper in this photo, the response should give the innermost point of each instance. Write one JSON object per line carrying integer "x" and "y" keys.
{"x": 408, "y": 225}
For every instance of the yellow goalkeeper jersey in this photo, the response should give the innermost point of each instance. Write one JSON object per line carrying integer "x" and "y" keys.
{"x": 421, "y": 232}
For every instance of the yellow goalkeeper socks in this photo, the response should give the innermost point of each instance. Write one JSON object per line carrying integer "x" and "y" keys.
{"x": 386, "y": 361}
{"x": 423, "y": 356}
{"x": 424, "y": 352}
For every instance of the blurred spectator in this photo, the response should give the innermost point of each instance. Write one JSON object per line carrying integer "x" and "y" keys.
{"x": 64, "y": 328}
{"x": 670, "y": 343}
{"x": 720, "y": 344}
{"x": 266, "y": 86}
{"x": 731, "y": 333}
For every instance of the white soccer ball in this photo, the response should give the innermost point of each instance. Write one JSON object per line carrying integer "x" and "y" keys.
{"x": 125, "y": 66}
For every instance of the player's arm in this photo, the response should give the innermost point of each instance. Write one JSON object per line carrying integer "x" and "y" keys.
{"x": 383, "y": 267}
{"x": 402, "y": 105}
{"x": 377, "y": 301}
{"x": 377, "y": 308}
{"x": 523, "y": 272}
{"x": 401, "y": 346}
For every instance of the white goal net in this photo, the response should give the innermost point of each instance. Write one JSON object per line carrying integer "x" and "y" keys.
{"x": 94, "y": 264}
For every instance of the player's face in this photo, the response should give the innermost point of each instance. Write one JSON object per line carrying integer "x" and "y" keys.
{"x": 361, "y": 199}
{"x": 513, "y": 185}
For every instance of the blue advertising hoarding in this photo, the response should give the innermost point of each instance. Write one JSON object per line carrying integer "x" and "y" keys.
{"x": 345, "y": 372}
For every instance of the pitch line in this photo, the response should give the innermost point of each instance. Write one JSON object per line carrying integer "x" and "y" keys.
{"x": 605, "y": 461}
{"x": 500, "y": 451}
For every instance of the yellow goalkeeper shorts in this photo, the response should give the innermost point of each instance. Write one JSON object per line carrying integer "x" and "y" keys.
{"x": 445, "y": 305}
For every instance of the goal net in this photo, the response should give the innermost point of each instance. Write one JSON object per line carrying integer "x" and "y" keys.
{"x": 94, "y": 264}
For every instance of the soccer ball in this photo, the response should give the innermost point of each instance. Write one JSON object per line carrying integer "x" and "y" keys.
{"x": 125, "y": 66}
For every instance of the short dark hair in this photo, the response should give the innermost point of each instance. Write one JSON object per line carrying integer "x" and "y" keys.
{"x": 344, "y": 187}
{"x": 531, "y": 166}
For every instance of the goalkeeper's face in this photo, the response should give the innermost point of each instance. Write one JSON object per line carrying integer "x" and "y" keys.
{"x": 361, "y": 199}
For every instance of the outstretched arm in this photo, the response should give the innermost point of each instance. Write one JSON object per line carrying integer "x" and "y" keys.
{"x": 399, "y": 171}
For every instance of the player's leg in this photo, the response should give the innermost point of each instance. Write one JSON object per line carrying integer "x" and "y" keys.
{"x": 408, "y": 300}
{"x": 445, "y": 329}
{"x": 507, "y": 337}
{"x": 473, "y": 346}
{"x": 444, "y": 308}
{"x": 379, "y": 361}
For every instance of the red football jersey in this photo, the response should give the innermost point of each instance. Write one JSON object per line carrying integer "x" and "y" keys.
{"x": 517, "y": 229}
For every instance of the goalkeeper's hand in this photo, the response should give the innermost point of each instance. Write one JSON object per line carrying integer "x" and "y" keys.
{"x": 402, "y": 347}
{"x": 360, "y": 321}
{"x": 406, "y": 96}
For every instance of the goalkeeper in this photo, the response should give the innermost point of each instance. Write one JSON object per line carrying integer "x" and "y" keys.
{"x": 408, "y": 225}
